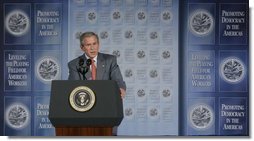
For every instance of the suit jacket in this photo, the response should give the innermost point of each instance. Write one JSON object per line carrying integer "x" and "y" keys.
{"x": 107, "y": 69}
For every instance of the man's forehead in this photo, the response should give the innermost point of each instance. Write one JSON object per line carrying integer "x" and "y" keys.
{"x": 90, "y": 39}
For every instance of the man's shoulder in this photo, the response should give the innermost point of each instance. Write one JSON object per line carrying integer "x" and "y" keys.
{"x": 74, "y": 61}
{"x": 107, "y": 56}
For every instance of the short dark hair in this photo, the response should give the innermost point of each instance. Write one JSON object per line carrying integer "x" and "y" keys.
{"x": 87, "y": 34}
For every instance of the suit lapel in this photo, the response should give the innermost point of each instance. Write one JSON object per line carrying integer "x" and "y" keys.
{"x": 100, "y": 67}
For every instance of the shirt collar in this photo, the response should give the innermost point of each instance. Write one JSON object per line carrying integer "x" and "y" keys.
{"x": 95, "y": 58}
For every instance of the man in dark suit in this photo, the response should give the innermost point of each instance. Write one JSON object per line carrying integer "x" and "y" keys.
{"x": 103, "y": 66}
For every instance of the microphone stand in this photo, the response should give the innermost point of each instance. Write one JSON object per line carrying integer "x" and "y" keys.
{"x": 85, "y": 70}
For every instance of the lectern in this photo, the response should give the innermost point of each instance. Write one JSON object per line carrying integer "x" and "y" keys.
{"x": 85, "y": 108}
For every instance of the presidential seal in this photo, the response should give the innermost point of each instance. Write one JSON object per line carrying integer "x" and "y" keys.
{"x": 82, "y": 99}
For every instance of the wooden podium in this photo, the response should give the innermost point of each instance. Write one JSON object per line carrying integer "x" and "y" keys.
{"x": 88, "y": 131}
{"x": 85, "y": 108}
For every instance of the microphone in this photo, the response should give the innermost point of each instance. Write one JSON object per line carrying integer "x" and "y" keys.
{"x": 81, "y": 61}
{"x": 84, "y": 69}
{"x": 88, "y": 62}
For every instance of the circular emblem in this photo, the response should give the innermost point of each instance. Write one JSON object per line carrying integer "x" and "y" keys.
{"x": 141, "y": 93}
{"x": 48, "y": 69}
{"x": 91, "y": 16}
{"x": 153, "y": 113}
{"x": 232, "y": 70}
{"x": 201, "y": 23}
{"x": 141, "y": 16}
{"x": 201, "y": 116}
{"x": 128, "y": 112}
{"x": 128, "y": 73}
{"x": 116, "y": 53}
{"x": 17, "y": 23}
{"x": 153, "y": 73}
{"x": 154, "y": 35}
{"x": 166, "y": 54}
{"x": 104, "y": 35}
{"x": 82, "y": 99}
{"x": 77, "y": 35}
{"x": 166, "y": 16}
{"x": 116, "y": 15}
{"x": 166, "y": 93}
{"x": 128, "y": 34}
{"x": 17, "y": 116}
{"x": 141, "y": 54}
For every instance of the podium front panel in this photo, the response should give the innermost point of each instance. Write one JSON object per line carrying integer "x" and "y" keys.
{"x": 106, "y": 111}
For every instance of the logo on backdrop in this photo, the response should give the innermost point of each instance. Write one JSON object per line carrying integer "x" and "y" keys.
{"x": 141, "y": 54}
{"x": 141, "y": 93}
{"x": 104, "y": 35}
{"x": 17, "y": 116}
{"x": 91, "y": 17}
{"x": 116, "y": 15}
{"x": 232, "y": 70}
{"x": 166, "y": 54}
{"x": 201, "y": 116}
{"x": 201, "y": 23}
{"x": 17, "y": 23}
{"x": 153, "y": 73}
{"x": 116, "y": 53}
{"x": 166, "y": 16}
{"x": 141, "y": 16}
{"x": 153, "y": 113}
{"x": 129, "y": 113}
{"x": 47, "y": 69}
{"x": 128, "y": 73}
{"x": 128, "y": 34}
{"x": 166, "y": 93}
{"x": 82, "y": 99}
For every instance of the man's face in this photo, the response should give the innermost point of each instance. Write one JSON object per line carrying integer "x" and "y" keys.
{"x": 90, "y": 46}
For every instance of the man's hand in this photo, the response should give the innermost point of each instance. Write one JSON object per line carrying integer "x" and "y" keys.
{"x": 122, "y": 92}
